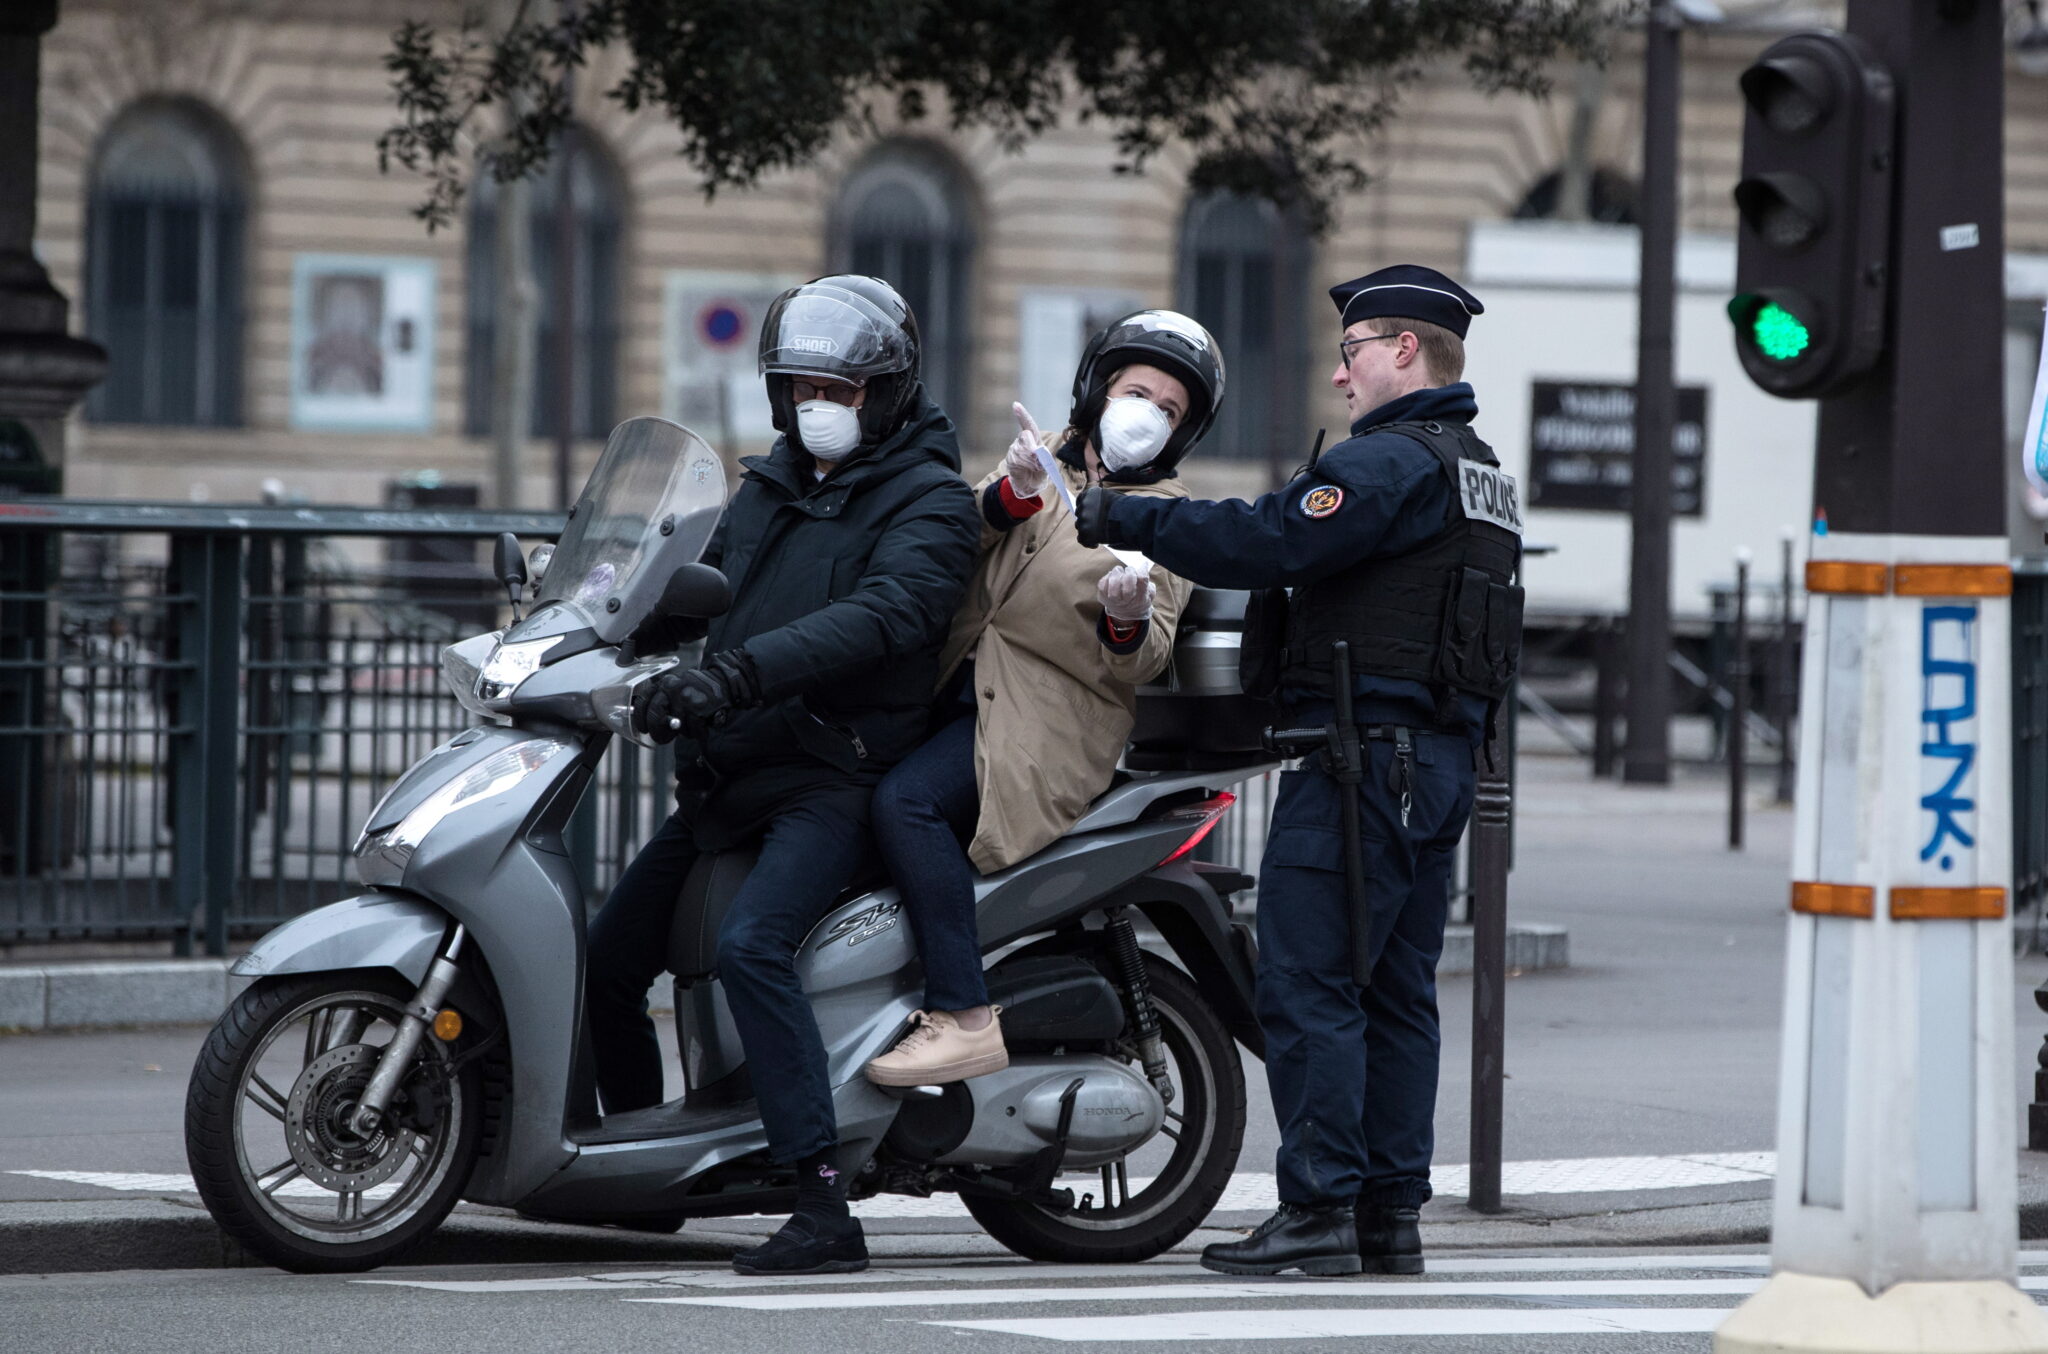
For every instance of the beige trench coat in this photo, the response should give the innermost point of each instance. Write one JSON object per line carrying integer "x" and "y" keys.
{"x": 1054, "y": 707}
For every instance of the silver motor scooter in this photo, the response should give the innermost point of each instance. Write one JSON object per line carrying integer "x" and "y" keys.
{"x": 423, "y": 1042}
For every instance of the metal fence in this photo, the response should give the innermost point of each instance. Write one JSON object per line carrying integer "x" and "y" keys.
{"x": 199, "y": 706}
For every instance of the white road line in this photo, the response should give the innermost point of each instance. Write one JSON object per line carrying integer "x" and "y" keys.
{"x": 1321, "y": 1290}
{"x": 1357, "y": 1322}
{"x": 1020, "y": 1272}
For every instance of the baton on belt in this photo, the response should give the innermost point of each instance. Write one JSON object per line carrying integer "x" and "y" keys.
{"x": 1343, "y": 757}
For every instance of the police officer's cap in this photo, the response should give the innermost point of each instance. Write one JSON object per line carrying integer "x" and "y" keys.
{"x": 1407, "y": 291}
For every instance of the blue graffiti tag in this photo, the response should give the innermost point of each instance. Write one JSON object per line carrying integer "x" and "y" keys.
{"x": 1939, "y": 720}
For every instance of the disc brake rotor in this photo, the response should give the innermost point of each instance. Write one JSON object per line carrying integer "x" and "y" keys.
{"x": 316, "y": 1124}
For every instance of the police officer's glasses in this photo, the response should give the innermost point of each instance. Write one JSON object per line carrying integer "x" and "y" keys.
{"x": 1345, "y": 346}
{"x": 802, "y": 392}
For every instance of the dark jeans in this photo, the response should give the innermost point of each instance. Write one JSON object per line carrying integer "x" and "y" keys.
{"x": 1353, "y": 1073}
{"x": 924, "y": 809}
{"x": 810, "y": 852}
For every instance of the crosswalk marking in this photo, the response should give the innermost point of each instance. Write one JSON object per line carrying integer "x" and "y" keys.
{"x": 1175, "y": 1302}
{"x": 1321, "y": 1289}
{"x": 1356, "y": 1322}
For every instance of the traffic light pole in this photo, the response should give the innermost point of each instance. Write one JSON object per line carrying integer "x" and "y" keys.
{"x": 1646, "y": 756}
{"x": 1894, "y": 1227}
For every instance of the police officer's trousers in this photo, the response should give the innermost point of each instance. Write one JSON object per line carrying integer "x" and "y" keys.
{"x": 1353, "y": 1074}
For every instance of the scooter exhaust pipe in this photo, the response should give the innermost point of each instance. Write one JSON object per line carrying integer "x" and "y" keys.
{"x": 412, "y": 1027}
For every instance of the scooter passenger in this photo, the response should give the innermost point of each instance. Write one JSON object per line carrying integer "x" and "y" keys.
{"x": 1040, "y": 672}
{"x": 847, "y": 548}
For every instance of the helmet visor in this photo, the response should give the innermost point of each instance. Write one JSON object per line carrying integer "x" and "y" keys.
{"x": 828, "y": 332}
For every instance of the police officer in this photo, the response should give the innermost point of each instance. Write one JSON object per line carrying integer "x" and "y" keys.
{"x": 1400, "y": 546}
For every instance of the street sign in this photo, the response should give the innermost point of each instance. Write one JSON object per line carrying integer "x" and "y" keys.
{"x": 1582, "y": 447}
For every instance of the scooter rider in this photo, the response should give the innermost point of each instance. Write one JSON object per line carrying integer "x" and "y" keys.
{"x": 1400, "y": 544}
{"x": 847, "y": 548}
{"x": 1042, "y": 671}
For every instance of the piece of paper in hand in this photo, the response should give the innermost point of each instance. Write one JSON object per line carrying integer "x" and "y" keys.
{"x": 1131, "y": 559}
{"x": 1053, "y": 476}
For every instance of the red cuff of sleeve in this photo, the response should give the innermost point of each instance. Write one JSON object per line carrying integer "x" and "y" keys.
{"x": 1120, "y": 632}
{"x": 1017, "y": 506}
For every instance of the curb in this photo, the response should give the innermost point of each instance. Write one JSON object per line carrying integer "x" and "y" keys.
{"x": 110, "y": 994}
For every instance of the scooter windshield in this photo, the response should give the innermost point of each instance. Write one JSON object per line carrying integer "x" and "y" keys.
{"x": 649, "y": 508}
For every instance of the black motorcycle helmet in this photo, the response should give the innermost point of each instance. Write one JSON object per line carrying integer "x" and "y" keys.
{"x": 1165, "y": 339}
{"x": 844, "y": 327}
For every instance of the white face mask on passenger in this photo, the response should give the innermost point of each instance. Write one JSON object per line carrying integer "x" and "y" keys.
{"x": 827, "y": 430}
{"x": 1131, "y": 432}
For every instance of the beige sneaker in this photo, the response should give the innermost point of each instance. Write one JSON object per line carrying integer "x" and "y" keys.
{"x": 937, "y": 1051}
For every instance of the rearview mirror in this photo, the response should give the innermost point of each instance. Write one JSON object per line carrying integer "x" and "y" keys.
{"x": 695, "y": 590}
{"x": 508, "y": 561}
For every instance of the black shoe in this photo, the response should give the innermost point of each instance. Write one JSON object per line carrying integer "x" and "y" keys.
{"x": 807, "y": 1245}
{"x": 1389, "y": 1239}
{"x": 1320, "y": 1241}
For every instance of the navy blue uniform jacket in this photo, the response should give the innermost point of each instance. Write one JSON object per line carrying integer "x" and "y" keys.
{"x": 1392, "y": 496}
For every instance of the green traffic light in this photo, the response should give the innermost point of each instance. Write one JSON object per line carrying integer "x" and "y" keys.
{"x": 1778, "y": 333}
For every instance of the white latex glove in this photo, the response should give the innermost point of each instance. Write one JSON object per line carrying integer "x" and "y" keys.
{"x": 1127, "y": 594}
{"x": 1027, "y": 476}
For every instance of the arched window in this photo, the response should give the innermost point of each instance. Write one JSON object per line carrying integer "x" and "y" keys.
{"x": 594, "y": 325}
{"x": 165, "y": 224}
{"x": 904, "y": 216}
{"x": 1610, "y": 198}
{"x": 1242, "y": 269}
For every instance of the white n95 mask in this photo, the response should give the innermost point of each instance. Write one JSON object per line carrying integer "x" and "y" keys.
{"x": 1131, "y": 432}
{"x": 827, "y": 430}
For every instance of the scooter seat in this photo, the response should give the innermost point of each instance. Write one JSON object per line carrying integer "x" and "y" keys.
{"x": 700, "y": 910}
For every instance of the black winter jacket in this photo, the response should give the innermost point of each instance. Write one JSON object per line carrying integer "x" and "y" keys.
{"x": 843, "y": 590}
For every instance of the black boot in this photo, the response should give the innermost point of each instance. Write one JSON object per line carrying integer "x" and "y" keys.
{"x": 1389, "y": 1239}
{"x": 1320, "y": 1241}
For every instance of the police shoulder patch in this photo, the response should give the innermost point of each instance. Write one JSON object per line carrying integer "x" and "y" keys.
{"x": 1322, "y": 500}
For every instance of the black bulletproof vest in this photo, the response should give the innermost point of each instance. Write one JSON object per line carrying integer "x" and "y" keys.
{"x": 1447, "y": 614}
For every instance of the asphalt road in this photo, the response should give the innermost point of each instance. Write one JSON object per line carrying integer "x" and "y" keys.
{"x": 1536, "y": 1303}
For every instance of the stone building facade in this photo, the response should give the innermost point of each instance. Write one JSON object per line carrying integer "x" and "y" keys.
{"x": 211, "y": 202}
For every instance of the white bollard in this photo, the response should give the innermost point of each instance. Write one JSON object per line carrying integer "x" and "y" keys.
{"x": 1895, "y": 1226}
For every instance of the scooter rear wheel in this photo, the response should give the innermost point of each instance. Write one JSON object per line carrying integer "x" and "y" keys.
{"x": 268, "y": 1136}
{"x": 1205, "y": 1126}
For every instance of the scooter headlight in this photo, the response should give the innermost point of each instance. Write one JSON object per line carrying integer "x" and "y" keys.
{"x": 509, "y": 665}
{"x": 389, "y": 852}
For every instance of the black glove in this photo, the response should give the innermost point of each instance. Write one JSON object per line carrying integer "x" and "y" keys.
{"x": 1091, "y": 516}
{"x": 709, "y": 695}
{"x": 653, "y": 711}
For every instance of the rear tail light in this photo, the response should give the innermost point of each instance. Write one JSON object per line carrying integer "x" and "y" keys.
{"x": 1199, "y": 818}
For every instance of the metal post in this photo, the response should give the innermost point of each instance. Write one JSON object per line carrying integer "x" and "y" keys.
{"x": 1492, "y": 801}
{"x": 204, "y": 570}
{"x": 1738, "y": 704}
{"x": 1608, "y": 662}
{"x": 1647, "y": 759}
{"x": 565, "y": 298}
{"x": 1785, "y": 670}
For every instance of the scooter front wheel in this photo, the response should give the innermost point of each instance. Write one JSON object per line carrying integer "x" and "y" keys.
{"x": 268, "y": 1127}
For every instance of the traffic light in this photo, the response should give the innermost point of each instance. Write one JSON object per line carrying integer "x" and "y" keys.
{"x": 1815, "y": 201}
